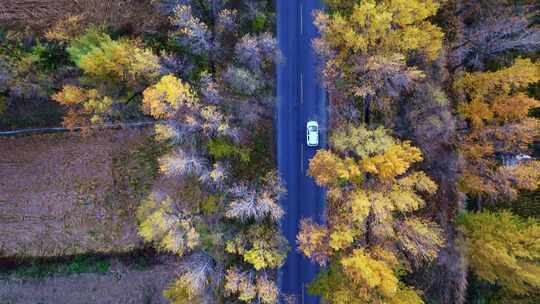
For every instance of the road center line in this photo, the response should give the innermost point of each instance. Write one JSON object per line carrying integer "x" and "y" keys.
{"x": 301, "y": 88}
{"x": 302, "y": 158}
{"x": 301, "y": 18}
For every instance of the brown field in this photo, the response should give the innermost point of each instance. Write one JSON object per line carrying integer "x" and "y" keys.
{"x": 118, "y": 286}
{"x": 63, "y": 194}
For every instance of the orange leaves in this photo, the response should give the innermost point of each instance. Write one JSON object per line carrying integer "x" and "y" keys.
{"x": 386, "y": 27}
{"x": 484, "y": 85}
{"x": 523, "y": 176}
{"x": 341, "y": 237}
{"x": 513, "y": 108}
{"x": 369, "y": 195}
{"x": 497, "y": 108}
{"x": 86, "y": 107}
{"x": 360, "y": 206}
{"x": 476, "y": 111}
{"x": 112, "y": 71}
{"x": 116, "y": 61}
{"x": 389, "y": 163}
{"x": 420, "y": 239}
{"x": 503, "y": 109}
{"x": 497, "y": 94}
{"x": 70, "y": 95}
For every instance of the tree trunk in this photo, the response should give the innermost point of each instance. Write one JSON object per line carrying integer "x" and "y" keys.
{"x": 366, "y": 109}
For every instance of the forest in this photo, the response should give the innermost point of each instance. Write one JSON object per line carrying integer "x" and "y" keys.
{"x": 432, "y": 171}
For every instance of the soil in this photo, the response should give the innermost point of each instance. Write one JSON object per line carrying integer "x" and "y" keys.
{"x": 65, "y": 194}
{"x": 120, "y": 285}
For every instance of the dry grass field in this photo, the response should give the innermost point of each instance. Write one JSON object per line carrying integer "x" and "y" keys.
{"x": 118, "y": 286}
{"x": 64, "y": 194}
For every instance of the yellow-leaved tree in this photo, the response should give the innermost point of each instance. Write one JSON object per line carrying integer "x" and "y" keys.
{"x": 85, "y": 106}
{"x": 166, "y": 97}
{"x": 372, "y": 234}
{"x": 497, "y": 111}
{"x": 504, "y": 249}
{"x": 114, "y": 72}
{"x": 366, "y": 45}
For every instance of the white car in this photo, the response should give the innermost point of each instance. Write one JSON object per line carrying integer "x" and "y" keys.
{"x": 312, "y": 135}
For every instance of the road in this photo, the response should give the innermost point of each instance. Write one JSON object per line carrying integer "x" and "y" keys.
{"x": 300, "y": 98}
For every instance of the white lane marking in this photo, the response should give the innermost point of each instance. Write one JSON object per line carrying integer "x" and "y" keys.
{"x": 301, "y": 88}
{"x": 301, "y": 158}
{"x": 301, "y": 18}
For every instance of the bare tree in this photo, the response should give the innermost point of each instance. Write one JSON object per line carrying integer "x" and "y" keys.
{"x": 191, "y": 31}
{"x": 250, "y": 204}
{"x": 182, "y": 163}
{"x": 497, "y": 29}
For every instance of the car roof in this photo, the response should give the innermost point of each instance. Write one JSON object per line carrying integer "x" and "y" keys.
{"x": 312, "y": 123}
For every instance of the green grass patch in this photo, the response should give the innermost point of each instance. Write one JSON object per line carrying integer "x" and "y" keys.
{"x": 220, "y": 148}
{"x": 77, "y": 265}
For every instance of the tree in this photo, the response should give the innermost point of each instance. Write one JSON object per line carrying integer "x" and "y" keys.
{"x": 267, "y": 289}
{"x": 503, "y": 249}
{"x": 493, "y": 30}
{"x": 366, "y": 45}
{"x": 86, "y": 107}
{"x": 242, "y": 81}
{"x": 312, "y": 241}
{"x": 261, "y": 246}
{"x": 250, "y": 205}
{"x": 169, "y": 225}
{"x": 217, "y": 82}
{"x": 30, "y": 71}
{"x": 249, "y": 287}
{"x": 372, "y": 233}
{"x": 496, "y": 109}
{"x": 256, "y": 52}
{"x": 168, "y": 96}
{"x": 191, "y": 31}
{"x": 113, "y": 73}
{"x": 381, "y": 285}
{"x": 182, "y": 163}
{"x": 123, "y": 61}
{"x": 240, "y": 284}
{"x": 194, "y": 282}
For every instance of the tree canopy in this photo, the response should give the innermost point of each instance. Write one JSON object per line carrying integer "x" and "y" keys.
{"x": 372, "y": 234}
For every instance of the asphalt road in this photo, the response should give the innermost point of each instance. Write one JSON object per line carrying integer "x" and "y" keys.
{"x": 300, "y": 98}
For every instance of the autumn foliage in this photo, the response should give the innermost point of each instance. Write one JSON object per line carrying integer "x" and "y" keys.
{"x": 372, "y": 230}
{"x": 496, "y": 109}
{"x": 503, "y": 249}
{"x": 366, "y": 46}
